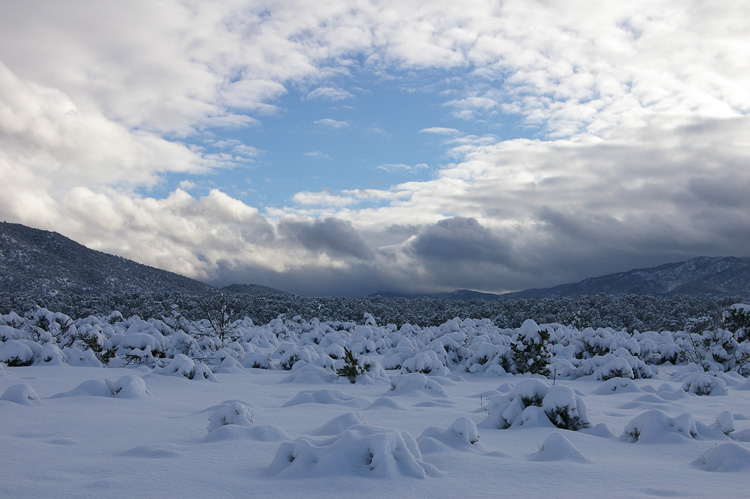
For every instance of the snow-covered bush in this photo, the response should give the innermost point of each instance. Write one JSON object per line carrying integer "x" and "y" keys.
{"x": 360, "y": 451}
{"x": 531, "y": 399}
{"x": 737, "y": 320}
{"x": 235, "y": 413}
{"x": 182, "y": 365}
{"x": 530, "y": 350}
{"x": 654, "y": 426}
{"x": 705, "y": 384}
{"x": 462, "y": 435}
{"x": 425, "y": 362}
{"x": 16, "y": 353}
{"x": 591, "y": 342}
{"x": 565, "y": 409}
{"x": 10, "y": 333}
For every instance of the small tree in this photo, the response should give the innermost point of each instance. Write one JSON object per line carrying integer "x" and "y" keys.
{"x": 531, "y": 353}
{"x": 221, "y": 318}
{"x": 351, "y": 369}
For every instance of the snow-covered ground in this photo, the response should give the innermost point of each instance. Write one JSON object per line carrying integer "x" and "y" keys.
{"x": 268, "y": 410}
{"x": 130, "y": 432}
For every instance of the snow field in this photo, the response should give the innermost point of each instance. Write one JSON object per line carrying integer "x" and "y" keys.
{"x": 81, "y": 442}
{"x": 438, "y": 414}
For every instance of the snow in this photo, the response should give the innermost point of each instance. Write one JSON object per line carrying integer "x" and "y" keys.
{"x": 180, "y": 425}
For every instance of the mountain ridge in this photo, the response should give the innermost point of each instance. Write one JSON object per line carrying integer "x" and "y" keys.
{"x": 700, "y": 276}
{"x": 44, "y": 263}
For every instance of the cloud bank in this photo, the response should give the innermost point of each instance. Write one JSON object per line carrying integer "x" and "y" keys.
{"x": 635, "y": 149}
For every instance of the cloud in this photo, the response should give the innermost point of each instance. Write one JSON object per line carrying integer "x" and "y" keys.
{"x": 323, "y": 199}
{"x": 331, "y": 123}
{"x": 335, "y": 237}
{"x": 329, "y": 93}
{"x": 43, "y": 132}
{"x": 458, "y": 240}
{"x": 438, "y": 130}
{"x": 318, "y": 155}
{"x": 400, "y": 167}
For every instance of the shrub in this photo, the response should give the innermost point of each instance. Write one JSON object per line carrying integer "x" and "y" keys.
{"x": 351, "y": 369}
{"x": 530, "y": 351}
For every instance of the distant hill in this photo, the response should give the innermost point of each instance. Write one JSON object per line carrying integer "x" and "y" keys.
{"x": 702, "y": 276}
{"x": 42, "y": 263}
{"x": 36, "y": 262}
{"x": 253, "y": 289}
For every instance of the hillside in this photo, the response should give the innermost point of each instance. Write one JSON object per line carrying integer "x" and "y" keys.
{"x": 42, "y": 263}
{"x": 702, "y": 276}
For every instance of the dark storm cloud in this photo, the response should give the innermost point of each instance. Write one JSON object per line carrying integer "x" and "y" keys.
{"x": 459, "y": 239}
{"x": 332, "y": 236}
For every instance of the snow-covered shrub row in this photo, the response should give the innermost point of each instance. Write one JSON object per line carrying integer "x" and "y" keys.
{"x": 195, "y": 349}
{"x": 628, "y": 312}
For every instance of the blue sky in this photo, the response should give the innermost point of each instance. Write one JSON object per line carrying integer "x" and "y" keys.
{"x": 358, "y": 134}
{"x": 343, "y": 148}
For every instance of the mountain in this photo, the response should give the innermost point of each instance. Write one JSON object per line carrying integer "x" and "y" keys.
{"x": 702, "y": 276}
{"x": 42, "y": 263}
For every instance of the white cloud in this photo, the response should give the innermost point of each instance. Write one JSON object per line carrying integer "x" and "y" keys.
{"x": 323, "y": 199}
{"x": 438, "y": 130}
{"x": 330, "y": 93}
{"x": 402, "y": 168}
{"x": 318, "y": 155}
{"x": 331, "y": 123}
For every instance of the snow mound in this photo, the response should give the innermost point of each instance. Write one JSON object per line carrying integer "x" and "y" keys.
{"x": 600, "y": 430}
{"x": 385, "y": 403}
{"x": 330, "y": 397}
{"x": 705, "y": 384}
{"x": 21, "y": 394}
{"x": 744, "y": 386}
{"x": 654, "y": 426}
{"x": 233, "y": 413}
{"x": 729, "y": 457}
{"x": 557, "y": 448}
{"x": 617, "y": 385}
{"x": 182, "y": 365}
{"x": 16, "y": 353}
{"x": 359, "y": 451}
{"x": 666, "y": 392}
{"x": 9, "y": 333}
{"x": 310, "y": 374}
{"x": 340, "y": 423}
{"x": 462, "y": 435}
{"x": 724, "y": 422}
{"x": 128, "y": 386}
{"x": 258, "y": 433}
{"x": 416, "y": 383}
{"x": 741, "y": 436}
{"x": 230, "y": 365}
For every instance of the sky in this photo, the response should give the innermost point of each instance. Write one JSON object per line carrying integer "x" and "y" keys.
{"x": 349, "y": 147}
